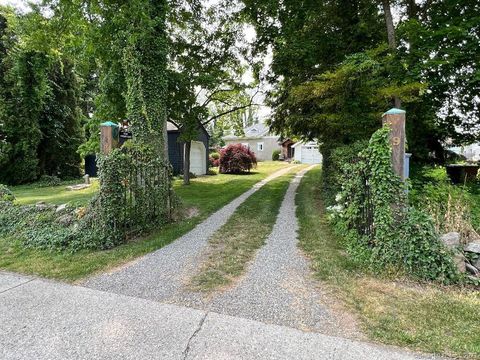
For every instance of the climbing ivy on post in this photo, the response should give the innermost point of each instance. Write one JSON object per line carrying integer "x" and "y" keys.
{"x": 135, "y": 181}
{"x": 380, "y": 227}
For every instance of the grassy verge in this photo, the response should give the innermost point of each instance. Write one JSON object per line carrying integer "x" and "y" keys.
{"x": 235, "y": 243}
{"x": 424, "y": 317}
{"x": 207, "y": 194}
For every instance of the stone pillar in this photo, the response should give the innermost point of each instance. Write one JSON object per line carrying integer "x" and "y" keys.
{"x": 108, "y": 137}
{"x": 396, "y": 119}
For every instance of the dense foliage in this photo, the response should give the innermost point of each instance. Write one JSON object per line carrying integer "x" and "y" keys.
{"x": 6, "y": 194}
{"x": 236, "y": 158}
{"x": 135, "y": 194}
{"x": 41, "y": 226}
{"x": 40, "y": 127}
{"x": 276, "y": 155}
{"x": 333, "y": 73}
{"x": 214, "y": 159}
{"x": 381, "y": 230}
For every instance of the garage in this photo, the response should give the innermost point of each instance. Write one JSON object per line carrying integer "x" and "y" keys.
{"x": 198, "y": 160}
{"x": 307, "y": 153}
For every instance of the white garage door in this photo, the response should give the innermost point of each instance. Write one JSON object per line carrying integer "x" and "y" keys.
{"x": 311, "y": 154}
{"x": 198, "y": 158}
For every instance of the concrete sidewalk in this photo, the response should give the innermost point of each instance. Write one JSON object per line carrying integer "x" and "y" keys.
{"x": 41, "y": 319}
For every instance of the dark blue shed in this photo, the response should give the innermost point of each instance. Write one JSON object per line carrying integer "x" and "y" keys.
{"x": 198, "y": 152}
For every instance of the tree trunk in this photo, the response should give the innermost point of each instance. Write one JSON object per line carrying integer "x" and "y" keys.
{"x": 391, "y": 37}
{"x": 389, "y": 22}
{"x": 186, "y": 163}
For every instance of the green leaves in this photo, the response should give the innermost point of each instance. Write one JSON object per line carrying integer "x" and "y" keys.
{"x": 382, "y": 230}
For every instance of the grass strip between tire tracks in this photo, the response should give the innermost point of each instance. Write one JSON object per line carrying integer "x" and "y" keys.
{"x": 235, "y": 244}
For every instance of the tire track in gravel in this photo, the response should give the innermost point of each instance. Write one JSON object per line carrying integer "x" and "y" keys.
{"x": 278, "y": 287}
{"x": 159, "y": 275}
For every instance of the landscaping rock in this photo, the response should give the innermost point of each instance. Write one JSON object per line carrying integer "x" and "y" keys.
{"x": 459, "y": 260}
{"x": 66, "y": 220}
{"x": 78, "y": 187}
{"x": 474, "y": 247}
{"x": 41, "y": 205}
{"x": 61, "y": 208}
{"x": 476, "y": 263}
{"x": 451, "y": 239}
{"x": 472, "y": 269}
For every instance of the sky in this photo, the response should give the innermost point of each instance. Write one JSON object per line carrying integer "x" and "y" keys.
{"x": 21, "y": 5}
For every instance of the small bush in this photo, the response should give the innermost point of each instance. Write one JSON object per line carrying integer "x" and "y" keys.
{"x": 212, "y": 162}
{"x": 276, "y": 155}
{"x": 214, "y": 159}
{"x": 6, "y": 194}
{"x": 236, "y": 158}
{"x": 48, "y": 180}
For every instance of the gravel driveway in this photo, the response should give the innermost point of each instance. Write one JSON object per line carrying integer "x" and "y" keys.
{"x": 278, "y": 287}
{"x": 159, "y": 275}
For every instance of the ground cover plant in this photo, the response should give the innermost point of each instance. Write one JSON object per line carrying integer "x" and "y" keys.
{"x": 380, "y": 227}
{"x": 426, "y": 317}
{"x": 235, "y": 243}
{"x": 205, "y": 195}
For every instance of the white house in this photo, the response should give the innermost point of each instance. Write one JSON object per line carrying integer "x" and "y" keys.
{"x": 259, "y": 139}
{"x": 471, "y": 151}
{"x": 307, "y": 152}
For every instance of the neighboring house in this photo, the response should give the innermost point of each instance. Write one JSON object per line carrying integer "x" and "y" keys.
{"x": 259, "y": 139}
{"x": 307, "y": 152}
{"x": 470, "y": 152}
{"x": 287, "y": 149}
{"x": 198, "y": 152}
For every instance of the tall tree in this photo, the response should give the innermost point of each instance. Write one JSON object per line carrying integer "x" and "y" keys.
{"x": 205, "y": 69}
{"x": 41, "y": 122}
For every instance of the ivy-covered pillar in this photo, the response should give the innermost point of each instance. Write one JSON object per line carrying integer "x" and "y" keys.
{"x": 108, "y": 137}
{"x": 395, "y": 118}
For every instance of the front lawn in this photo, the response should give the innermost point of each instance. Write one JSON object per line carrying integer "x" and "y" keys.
{"x": 420, "y": 316}
{"x": 30, "y": 194}
{"x": 207, "y": 194}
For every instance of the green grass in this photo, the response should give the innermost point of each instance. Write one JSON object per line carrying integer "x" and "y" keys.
{"x": 425, "y": 317}
{"x": 235, "y": 243}
{"x": 207, "y": 194}
{"x": 30, "y": 194}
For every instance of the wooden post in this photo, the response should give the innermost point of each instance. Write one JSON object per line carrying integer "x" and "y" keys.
{"x": 108, "y": 137}
{"x": 396, "y": 119}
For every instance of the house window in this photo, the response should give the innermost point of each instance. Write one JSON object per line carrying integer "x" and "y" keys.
{"x": 260, "y": 146}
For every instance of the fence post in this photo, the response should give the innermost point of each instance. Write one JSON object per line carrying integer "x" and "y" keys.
{"x": 396, "y": 119}
{"x": 108, "y": 137}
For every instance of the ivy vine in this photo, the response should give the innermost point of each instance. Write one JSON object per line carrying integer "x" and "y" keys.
{"x": 381, "y": 228}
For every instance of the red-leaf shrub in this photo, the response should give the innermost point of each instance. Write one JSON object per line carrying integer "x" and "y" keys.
{"x": 213, "y": 162}
{"x": 236, "y": 158}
